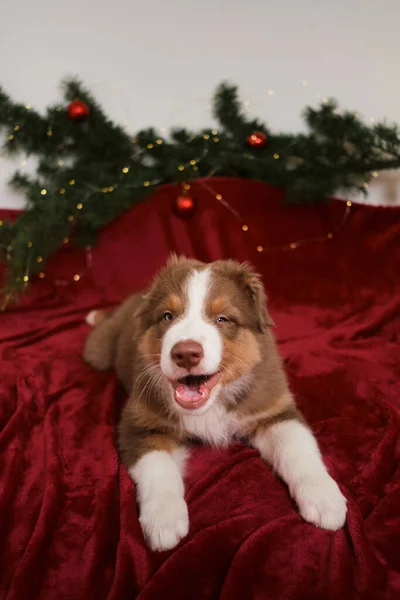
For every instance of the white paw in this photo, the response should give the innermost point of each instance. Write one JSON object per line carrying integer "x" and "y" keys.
{"x": 164, "y": 523}
{"x": 321, "y": 502}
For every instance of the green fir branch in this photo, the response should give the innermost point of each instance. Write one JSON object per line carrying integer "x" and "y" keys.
{"x": 88, "y": 173}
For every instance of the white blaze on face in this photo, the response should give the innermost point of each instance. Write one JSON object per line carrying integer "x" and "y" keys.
{"x": 193, "y": 326}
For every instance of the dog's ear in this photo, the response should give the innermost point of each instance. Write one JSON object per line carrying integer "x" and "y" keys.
{"x": 254, "y": 286}
{"x": 142, "y": 307}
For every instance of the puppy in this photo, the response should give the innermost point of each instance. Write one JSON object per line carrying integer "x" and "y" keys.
{"x": 197, "y": 355}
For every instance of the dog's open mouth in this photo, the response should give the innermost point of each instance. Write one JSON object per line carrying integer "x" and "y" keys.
{"x": 193, "y": 391}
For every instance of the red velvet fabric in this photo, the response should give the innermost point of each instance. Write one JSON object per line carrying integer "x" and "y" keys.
{"x": 68, "y": 518}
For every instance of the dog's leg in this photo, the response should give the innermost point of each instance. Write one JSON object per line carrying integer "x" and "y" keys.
{"x": 160, "y": 493}
{"x": 292, "y": 450}
{"x": 99, "y": 347}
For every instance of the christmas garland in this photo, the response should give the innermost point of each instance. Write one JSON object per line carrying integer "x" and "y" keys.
{"x": 90, "y": 169}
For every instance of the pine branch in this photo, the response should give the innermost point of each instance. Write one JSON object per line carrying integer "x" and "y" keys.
{"x": 90, "y": 172}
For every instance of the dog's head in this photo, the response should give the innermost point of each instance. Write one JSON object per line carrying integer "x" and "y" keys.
{"x": 202, "y": 326}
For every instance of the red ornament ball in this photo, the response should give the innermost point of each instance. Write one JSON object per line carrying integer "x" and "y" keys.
{"x": 78, "y": 110}
{"x": 257, "y": 139}
{"x": 184, "y": 206}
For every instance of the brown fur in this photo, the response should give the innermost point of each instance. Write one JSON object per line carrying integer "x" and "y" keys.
{"x": 130, "y": 338}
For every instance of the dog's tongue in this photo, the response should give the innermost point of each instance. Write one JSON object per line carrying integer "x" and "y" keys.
{"x": 191, "y": 395}
{"x": 194, "y": 396}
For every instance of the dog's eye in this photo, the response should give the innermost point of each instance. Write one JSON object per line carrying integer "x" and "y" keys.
{"x": 167, "y": 316}
{"x": 221, "y": 319}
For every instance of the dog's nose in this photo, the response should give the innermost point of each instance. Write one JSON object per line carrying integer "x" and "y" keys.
{"x": 187, "y": 354}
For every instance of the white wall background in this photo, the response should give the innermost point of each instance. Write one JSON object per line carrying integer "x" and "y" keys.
{"x": 156, "y": 62}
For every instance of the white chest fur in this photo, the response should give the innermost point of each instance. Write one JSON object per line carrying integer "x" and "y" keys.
{"x": 215, "y": 426}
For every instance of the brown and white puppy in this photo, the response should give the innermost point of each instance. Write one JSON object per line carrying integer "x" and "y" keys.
{"x": 198, "y": 358}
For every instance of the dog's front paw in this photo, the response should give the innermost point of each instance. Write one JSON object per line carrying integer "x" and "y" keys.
{"x": 321, "y": 502}
{"x": 165, "y": 522}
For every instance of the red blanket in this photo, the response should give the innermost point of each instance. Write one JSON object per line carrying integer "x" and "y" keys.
{"x": 68, "y": 518}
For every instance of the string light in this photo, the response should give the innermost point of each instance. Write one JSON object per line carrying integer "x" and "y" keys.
{"x": 43, "y": 192}
{"x": 1, "y": 223}
{"x": 11, "y": 137}
{"x": 60, "y": 163}
{"x": 29, "y": 244}
{"x": 365, "y": 184}
{"x": 186, "y": 186}
{"x": 214, "y": 131}
{"x": 356, "y": 115}
{"x": 104, "y": 190}
{"x": 25, "y": 278}
{"x": 375, "y": 174}
{"x": 76, "y": 276}
{"x": 283, "y": 247}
